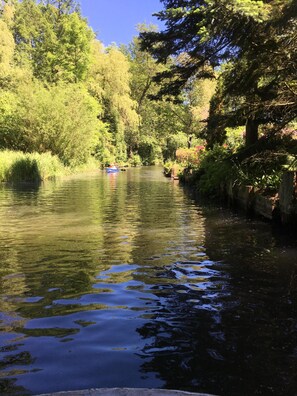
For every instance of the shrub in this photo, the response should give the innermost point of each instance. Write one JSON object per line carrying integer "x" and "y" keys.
{"x": 261, "y": 165}
{"x": 189, "y": 157}
{"x": 135, "y": 160}
{"x": 61, "y": 119}
{"x": 167, "y": 168}
{"x": 262, "y": 170}
{"x": 18, "y": 166}
{"x": 214, "y": 175}
{"x": 212, "y": 170}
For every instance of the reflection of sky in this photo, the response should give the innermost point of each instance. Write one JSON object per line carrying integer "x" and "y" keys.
{"x": 125, "y": 282}
{"x": 80, "y": 260}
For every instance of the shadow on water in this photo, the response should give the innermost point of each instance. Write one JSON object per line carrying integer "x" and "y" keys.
{"x": 125, "y": 281}
{"x": 235, "y": 333}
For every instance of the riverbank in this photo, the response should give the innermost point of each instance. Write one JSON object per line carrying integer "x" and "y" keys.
{"x": 16, "y": 166}
{"x": 261, "y": 179}
{"x": 279, "y": 206}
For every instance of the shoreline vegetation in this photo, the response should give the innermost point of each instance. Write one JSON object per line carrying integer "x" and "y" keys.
{"x": 16, "y": 166}
{"x": 261, "y": 179}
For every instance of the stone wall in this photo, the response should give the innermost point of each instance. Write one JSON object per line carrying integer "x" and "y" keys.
{"x": 288, "y": 198}
{"x": 280, "y": 207}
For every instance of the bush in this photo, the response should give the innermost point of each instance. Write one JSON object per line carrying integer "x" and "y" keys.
{"x": 213, "y": 169}
{"x": 214, "y": 175}
{"x": 186, "y": 156}
{"x": 262, "y": 170}
{"x": 135, "y": 160}
{"x": 167, "y": 168}
{"x": 190, "y": 157}
{"x": 18, "y": 166}
{"x": 61, "y": 119}
{"x": 260, "y": 165}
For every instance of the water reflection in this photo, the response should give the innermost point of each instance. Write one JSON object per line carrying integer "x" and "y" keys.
{"x": 122, "y": 280}
{"x": 234, "y": 332}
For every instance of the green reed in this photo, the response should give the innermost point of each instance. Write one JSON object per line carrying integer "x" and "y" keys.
{"x": 29, "y": 167}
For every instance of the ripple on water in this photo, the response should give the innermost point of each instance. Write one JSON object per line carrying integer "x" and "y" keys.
{"x": 125, "y": 281}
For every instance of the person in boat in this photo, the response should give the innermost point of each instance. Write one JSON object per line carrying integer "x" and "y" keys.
{"x": 112, "y": 166}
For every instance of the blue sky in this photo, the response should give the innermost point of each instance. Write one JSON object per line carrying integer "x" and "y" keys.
{"x": 116, "y": 20}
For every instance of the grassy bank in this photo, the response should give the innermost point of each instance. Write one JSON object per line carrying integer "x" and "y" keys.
{"x": 16, "y": 166}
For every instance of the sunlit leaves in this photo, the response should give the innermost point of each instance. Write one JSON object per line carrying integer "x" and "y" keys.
{"x": 258, "y": 41}
{"x": 56, "y": 45}
{"x": 109, "y": 82}
{"x": 7, "y": 47}
{"x": 255, "y": 9}
{"x": 73, "y": 51}
{"x": 61, "y": 119}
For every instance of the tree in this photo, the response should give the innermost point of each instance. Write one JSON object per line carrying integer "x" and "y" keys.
{"x": 197, "y": 96}
{"x": 61, "y": 119}
{"x": 165, "y": 121}
{"x": 54, "y": 42}
{"x": 159, "y": 119}
{"x": 109, "y": 82}
{"x": 143, "y": 68}
{"x": 74, "y": 46}
{"x": 29, "y": 22}
{"x": 258, "y": 86}
{"x": 7, "y": 48}
{"x": 252, "y": 36}
{"x": 44, "y": 62}
{"x": 63, "y": 6}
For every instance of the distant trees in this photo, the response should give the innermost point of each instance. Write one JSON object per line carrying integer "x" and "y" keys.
{"x": 166, "y": 122}
{"x": 157, "y": 118}
{"x": 119, "y": 107}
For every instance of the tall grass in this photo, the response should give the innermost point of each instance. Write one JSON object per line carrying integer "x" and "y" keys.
{"x": 90, "y": 165}
{"x": 19, "y": 166}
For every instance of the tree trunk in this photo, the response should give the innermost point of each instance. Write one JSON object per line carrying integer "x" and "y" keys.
{"x": 251, "y": 132}
{"x": 190, "y": 141}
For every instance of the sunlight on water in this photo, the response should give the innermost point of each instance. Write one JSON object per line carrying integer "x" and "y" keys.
{"x": 123, "y": 280}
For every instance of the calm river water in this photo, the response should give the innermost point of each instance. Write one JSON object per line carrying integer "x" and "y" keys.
{"x": 124, "y": 281}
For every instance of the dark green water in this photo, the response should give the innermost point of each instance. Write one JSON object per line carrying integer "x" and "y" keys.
{"x": 124, "y": 281}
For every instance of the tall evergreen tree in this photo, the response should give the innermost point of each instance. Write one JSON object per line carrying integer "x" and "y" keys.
{"x": 247, "y": 34}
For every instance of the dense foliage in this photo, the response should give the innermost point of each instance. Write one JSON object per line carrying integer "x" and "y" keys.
{"x": 248, "y": 47}
{"x": 252, "y": 47}
{"x": 220, "y": 72}
{"x": 63, "y": 92}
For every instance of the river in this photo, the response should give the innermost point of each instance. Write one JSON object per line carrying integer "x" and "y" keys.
{"x": 124, "y": 280}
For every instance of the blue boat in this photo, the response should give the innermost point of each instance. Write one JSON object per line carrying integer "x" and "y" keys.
{"x": 112, "y": 169}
